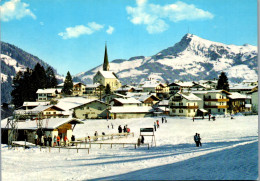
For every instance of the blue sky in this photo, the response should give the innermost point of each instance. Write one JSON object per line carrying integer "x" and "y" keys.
{"x": 70, "y": 35}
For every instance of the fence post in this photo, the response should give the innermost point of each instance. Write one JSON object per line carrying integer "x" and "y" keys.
{"x": 111, "y": 145}
{"x": 100, "y": 145}
{"x": 77, "y": 150}
{"x": 135, "y": 146}
{"x": 88, "y": 151}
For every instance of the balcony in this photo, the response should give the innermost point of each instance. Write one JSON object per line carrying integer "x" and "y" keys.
{"x": 184, "y": 107}
{"x": 218, "y": 106}
{"x": 216, "y": 100}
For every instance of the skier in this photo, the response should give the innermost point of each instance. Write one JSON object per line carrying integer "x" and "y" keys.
{"x": 162, "y": 120}
{"x": 157, "y": 123}
{"x": 128, "y": 130}
{"x": 154, "y": 126}
{"x": 112, "y": 126}
{"x": 65, "y": 140}
{"x": 124, "y": 129}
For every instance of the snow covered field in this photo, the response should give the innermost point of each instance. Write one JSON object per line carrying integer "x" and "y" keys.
{"x": 229, "y": 151}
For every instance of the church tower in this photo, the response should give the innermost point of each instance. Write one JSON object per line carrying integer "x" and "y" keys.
{"x": 105, "y": 64}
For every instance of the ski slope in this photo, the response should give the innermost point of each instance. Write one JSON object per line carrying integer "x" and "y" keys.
{"x": 229, "y": 151}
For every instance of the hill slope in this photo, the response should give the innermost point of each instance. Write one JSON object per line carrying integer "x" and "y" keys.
{"x": 14, "y": 59}
{"x": 193, "y": 58}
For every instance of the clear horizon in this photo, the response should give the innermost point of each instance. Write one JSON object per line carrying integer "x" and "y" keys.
{"x": 71, "y": 35}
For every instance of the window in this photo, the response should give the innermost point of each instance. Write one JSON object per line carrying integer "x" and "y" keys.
{"x": 188, "y": 104}
{"x": 180, "y": 111}
{"x": 194, "y": 110}
{"x": 54, "y": 112}
{"x": 188, "y": 110}
{"x": 218, "y": 110}
{"x": 181, "y": 104}
{"x": 174, "y": 111}
{"x": 82, "y": 108}
{"x": 223, "y": 110}
{"x": 99, "y": 108}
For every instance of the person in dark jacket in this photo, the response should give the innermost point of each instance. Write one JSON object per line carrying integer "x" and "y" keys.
{"x": 196, "y": 139}
{"x": 49, "y": 140}
{"x": 142, "y": 139}
{"x": 72, "y": 139}
{"x": 162, "y": 120}
{"x": 124, "y": 129}
{"x": 119, "y": 129}
{"x": 45, "y": 140}
{"x": 154, "y": 126}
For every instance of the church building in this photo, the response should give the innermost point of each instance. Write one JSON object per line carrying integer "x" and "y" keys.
{"x": 105, "y": 76}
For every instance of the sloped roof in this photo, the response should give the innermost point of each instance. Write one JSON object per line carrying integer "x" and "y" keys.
{"x": 128, "y": 101}
{"x": 53, "y": 123}
{"x": 71, "y": 102}
{"x": 108, "y": 74}
{"x": 144, "y": 97}
{"x": 35, "y": 103}
{"x": 132, "y": 109}
{"x": 47, "y": 91}
{"x": 41, "y": 108}
{"x": 236, "y": 95}
{"x": 189, "y": 96}
{"x": 90, "y": 102}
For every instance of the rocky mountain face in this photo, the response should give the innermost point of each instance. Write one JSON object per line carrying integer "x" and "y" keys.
{"x": 191, "y": 59}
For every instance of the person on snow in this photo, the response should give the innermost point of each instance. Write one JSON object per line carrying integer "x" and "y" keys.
{"x": 96, "y": 135}
{"x": 58, "y": 140}
{"x": 128, "y": 130}
{"x": 65, "y": 140}
{"x": 142, "y": 139}
{"x": 72, "y": 139}
{"x": 119, "y": 129}
{"x": 157, "y": 123}
{"x": 154, "y": 126}
{"x": 124, "y": 129}
{"x": 49, "y": 140}
{"x": 196, "y": 139}
{"x": 162, "y": 120}
{"x": 45, "y": 140}
{"x": 54, "y": 140}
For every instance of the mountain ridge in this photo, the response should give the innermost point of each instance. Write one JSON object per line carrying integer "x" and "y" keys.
{"x": 192, "y": 58}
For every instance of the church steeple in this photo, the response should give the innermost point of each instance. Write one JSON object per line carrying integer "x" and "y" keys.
{"x": 105, "y": 64}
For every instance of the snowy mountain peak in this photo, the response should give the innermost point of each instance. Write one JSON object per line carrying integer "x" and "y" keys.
{"x": 192, "y": 58}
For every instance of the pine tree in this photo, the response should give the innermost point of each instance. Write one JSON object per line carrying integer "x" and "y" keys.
{"x": 107, "y": 89}
{"x": 17, "y": 98}
{"x": 51, "y": 79}
{"x": 68, "y": 85}
{"x": 223, "y": 82}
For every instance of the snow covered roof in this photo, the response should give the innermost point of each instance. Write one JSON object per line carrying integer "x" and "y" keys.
{"x": 128, "y": 101}
{"x": 144, "y": 97}
{"x": 189, "y": 96}
{"x": 108, "y": 74}
{"x": 92, "y": 85}
{"x": 236, "y": 95}
{"x": 51, "y": 123}
{"x": 41, "y": 108}
{"x": 183, "y": 84}
{"x": 210, "y": 91}
{"x": 164, "y": 103}
{"x": 241, "y": 87}
{"x": 90, "y": 102}
{"x": 35, "y": 103}
{"x": 71, "y": 102}
{"x": 132, "y": 109}
{"x": 47, "y": 91}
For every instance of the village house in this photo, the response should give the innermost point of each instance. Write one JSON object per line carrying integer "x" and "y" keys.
{"x": 109, "y": 97}
{"x": 92, "y": 89}
{"x": 125, "y": 108}
{"x": 163, "y": 106}
{"x": 27, "y": 129}
{"x": 94, "y": 109}
{"x": 125, "y": 89}
{"x": 210, "y": 84}
{"x": 145, "y": 98}
{"x": 214, "y": 101}
{"x": 241, "y": 88}
{"x": 31, "y": 105}
{"x": 177, "y": 86}
{"x": 78, "y": 89}
{"x": 42, "y": 112}
{"x": 47, "y": 94}
{"x": 239, "y": 103}
{"x": 184, "y": 104}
